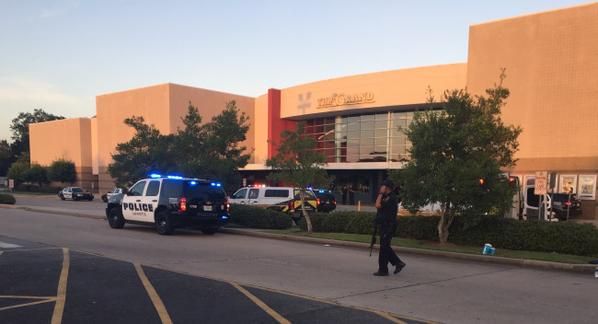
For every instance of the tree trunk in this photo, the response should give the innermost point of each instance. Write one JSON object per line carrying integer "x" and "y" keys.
{"x": 304, "y": 212}
{"x": 443, "y": 229}
{"x": 446, "y": 220}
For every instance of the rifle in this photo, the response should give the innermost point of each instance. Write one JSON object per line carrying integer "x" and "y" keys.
{"x": 373, "y": 238}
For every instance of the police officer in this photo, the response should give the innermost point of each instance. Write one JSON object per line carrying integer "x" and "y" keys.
{"x": 387, "y": 205}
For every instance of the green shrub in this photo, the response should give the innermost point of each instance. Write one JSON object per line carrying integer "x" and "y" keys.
{"x": 569, "y": 238}
{"x": 341, "y": 222}
{"x": 256, "y": 217}
{"x": 62, "y": 171}
{"x": 36, "y": 174}
{"x": 418, "y": 227}
{"x": 7, "y": 199}
{"x": 17, "y": 171}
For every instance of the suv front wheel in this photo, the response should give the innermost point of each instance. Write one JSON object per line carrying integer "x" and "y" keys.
{"x": 115, "y": 218}
{"x": 164, "y": 224}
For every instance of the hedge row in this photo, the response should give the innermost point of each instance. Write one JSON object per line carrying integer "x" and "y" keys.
{"x": 255, "y": 217}
{"x": 7, "y": 199}
{"x": 570, "y": 238}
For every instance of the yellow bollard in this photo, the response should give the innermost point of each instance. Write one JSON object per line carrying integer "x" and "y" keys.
{"x": 359, "y": 205}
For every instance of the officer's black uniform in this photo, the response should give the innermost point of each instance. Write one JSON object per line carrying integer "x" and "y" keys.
{"x": 386, "y": 218}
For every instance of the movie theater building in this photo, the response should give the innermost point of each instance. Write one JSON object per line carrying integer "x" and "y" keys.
{"x": 551, "y": 61}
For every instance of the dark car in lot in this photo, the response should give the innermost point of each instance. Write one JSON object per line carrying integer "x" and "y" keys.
{"x": 75, "y": 193}
{"x": 326, "y": 200}
{"x": 563, "y": 202}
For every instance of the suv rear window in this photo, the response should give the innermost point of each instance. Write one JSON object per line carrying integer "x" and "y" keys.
{"x": 186, "y": 188}
{"x": 276, "y": 193}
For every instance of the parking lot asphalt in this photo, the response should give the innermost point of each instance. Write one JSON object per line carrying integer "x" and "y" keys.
{"x": 46, "y": 284}
{"x": 52, "y": 201}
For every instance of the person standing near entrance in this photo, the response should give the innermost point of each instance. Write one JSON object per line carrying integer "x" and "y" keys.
{"x": 351, "y": 195}
{"x": 345, "y": 190}
{"x": 387, "y": 204}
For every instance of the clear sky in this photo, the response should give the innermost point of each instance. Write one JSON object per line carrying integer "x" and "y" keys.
{"x": 58, "y": 55}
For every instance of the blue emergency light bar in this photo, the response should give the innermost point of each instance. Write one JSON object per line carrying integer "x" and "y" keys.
{"x": 176, "y": 177}
{"x": 158, "y": 176}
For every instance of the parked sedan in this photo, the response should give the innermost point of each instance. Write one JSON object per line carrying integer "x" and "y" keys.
{"x": 111, "y": 193}
{"x": 75, "y": 193}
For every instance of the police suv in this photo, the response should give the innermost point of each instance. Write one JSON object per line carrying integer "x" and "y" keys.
{"x": 170, "y": 202}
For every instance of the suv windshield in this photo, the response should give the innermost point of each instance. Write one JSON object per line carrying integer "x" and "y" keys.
{"x": 77, "y": 190}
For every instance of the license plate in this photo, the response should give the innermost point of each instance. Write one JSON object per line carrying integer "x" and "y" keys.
{"x": 207, "y": 208}
{"x": 192, "y": 206}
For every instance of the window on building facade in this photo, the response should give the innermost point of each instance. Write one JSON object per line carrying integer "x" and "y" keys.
{"x": 376, "y": 137}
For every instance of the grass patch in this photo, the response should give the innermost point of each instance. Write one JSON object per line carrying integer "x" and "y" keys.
{"x": 402, "y": 242}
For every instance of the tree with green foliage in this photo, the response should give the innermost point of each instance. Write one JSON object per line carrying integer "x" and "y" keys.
{"x": 196, "y": 150}
{"x": 36, "y": 174}
{"x": 457, "y": 154}
{"x": 62, "y": 170}
{"x": 297, "y": 163}
{"x": 148, "y": 151}
{"x": 6, "y": 157}
{"x": 223, "y": 155}
{"x": 18, "y": 170}
{"x": 20, "y": 129}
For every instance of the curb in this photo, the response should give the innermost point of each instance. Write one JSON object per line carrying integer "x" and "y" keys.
{"x": 525, "y": 263}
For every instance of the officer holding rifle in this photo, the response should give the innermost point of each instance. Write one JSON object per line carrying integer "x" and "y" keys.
{"x": 387, "y": 204}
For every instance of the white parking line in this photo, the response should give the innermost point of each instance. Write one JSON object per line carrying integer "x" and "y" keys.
{"x": 4, "y": 245}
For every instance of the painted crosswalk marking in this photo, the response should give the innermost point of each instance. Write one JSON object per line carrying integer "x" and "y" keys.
{"x": 4, "y": 245}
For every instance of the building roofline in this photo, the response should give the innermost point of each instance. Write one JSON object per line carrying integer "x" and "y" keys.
{"x": 60, "y": 120}
{"x": 377, "y": 72}
{"x": 169, "y": 84}
{"x": 521, "y": 16}
{"x": 211, "y": 90}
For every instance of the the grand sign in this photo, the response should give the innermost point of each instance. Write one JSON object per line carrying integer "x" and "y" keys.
{"x": 341, "y": 99}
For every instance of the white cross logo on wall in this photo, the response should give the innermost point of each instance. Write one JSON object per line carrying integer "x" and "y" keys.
{"x": 304, "y": 101}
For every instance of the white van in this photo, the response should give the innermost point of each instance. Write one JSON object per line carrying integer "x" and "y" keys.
{"x": 285, "y": 199}
{"x": 531, "y": 204}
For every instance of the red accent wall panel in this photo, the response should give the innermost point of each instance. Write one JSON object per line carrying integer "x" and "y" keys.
{"x": 276, "y": 125}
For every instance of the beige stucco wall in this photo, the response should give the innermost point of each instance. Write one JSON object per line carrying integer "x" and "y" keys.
{"x": 111, "y": 111}
{"x": 163, "y": 106}
{"x": 94, "y": 145}
{"x": 209, "y": 103}
{"x": 551, "y": 62}
{"x": 389, "y": 88}
{"x": 260, "y": 125}
{"x": 68, "y": 139}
